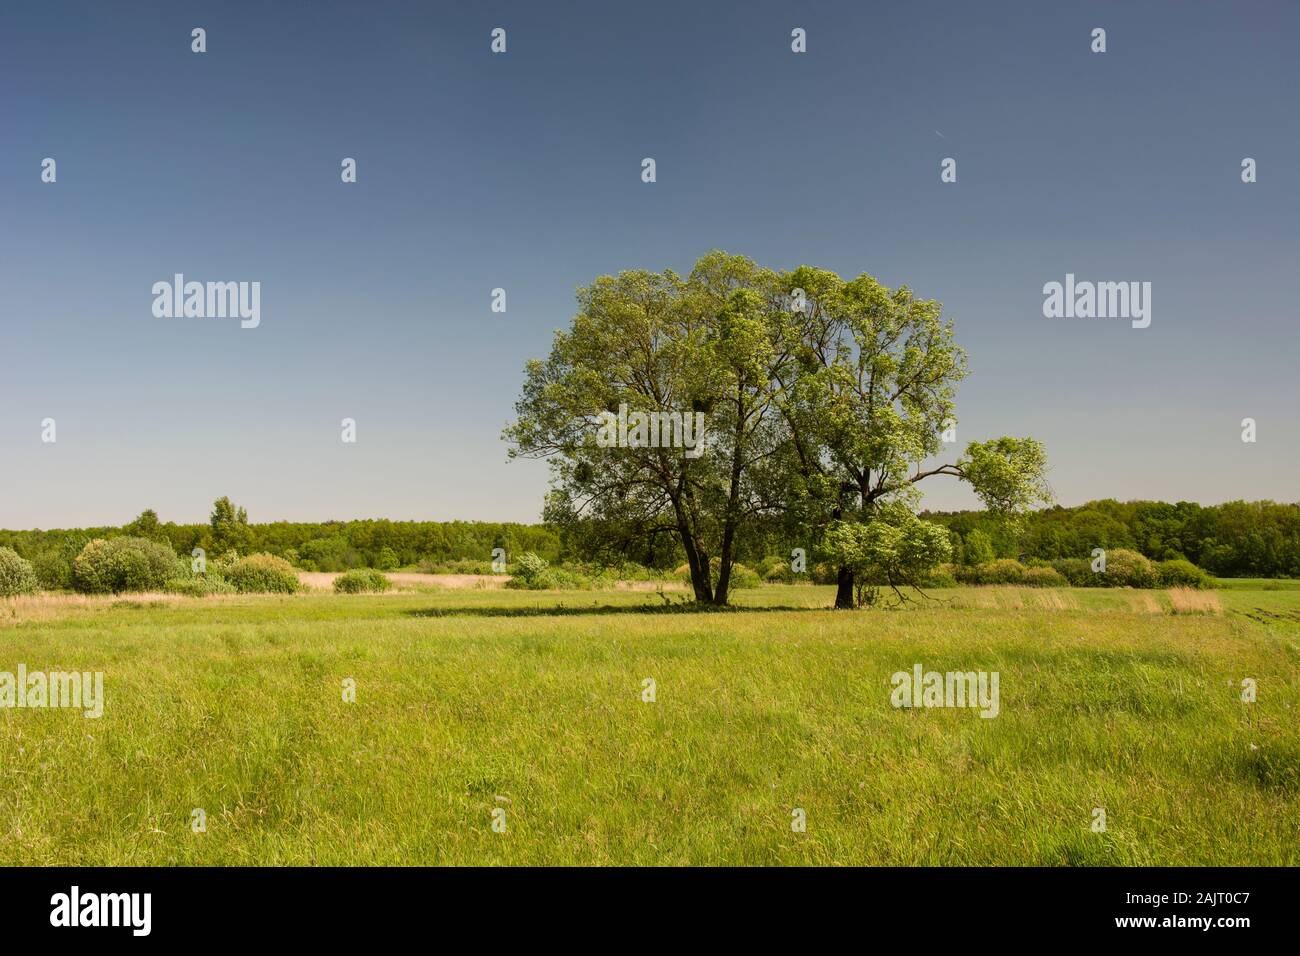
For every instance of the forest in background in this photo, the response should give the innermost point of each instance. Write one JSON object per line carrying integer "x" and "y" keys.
{"x": 1235, "y": 539}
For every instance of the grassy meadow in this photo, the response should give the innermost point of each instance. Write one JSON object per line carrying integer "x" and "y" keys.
{"x": 470, "y": 701}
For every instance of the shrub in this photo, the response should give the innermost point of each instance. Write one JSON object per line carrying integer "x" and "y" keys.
{"x": 528, "y": 569}
{"x": 939, "y": 577}
{"x": 361, "y": 581}
{"x": 775, "y": 569}
{"x": 562, "y": 579}
{"x": 263, "y": 574}
{"x": 53, "y": 569}
{"x": 1179, "y": 573}
{"x": 1078, "y": 572}
{"x": 16, "y": 574}
{"x": 123, "y": 564}
{"x": 824, "y": 573}
{"x": 632, "y": 571}
{"x": 458, "y": 566}
{"x": 199, "y": 585}
{"x": 530, "y": 572}
{"x": 1001, "y": 571}
{"x": 220, "y": 563}
{"x": 779, "y": 574}
{"x": 1042, "y": 577}
{"x": 741, "y": 576}
{"x": 387, "y": 560}
{"x": 1126, "y": 568}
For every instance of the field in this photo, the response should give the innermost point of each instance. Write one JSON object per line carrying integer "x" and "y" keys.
{"x": 475, "y": 700}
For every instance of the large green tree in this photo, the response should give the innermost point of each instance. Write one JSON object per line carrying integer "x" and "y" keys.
{"x": 823, "y": 400}
{"x": 648, "y": 342}
{"x": 869, "y": 404}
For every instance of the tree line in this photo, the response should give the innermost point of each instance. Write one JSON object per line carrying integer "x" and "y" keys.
{"x": 1236, "y": 539}
{"x": 312, "y": 546}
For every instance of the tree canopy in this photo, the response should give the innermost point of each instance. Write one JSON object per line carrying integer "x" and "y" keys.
{"x": 823, "y": 400}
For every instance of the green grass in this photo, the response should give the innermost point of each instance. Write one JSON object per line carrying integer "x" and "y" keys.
{"x": 531, "y": 702}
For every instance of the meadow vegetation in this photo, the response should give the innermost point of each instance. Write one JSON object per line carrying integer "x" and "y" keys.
{"x": 531, "y": 702}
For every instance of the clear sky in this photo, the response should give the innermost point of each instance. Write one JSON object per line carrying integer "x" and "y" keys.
{"x": 522, "y": 171}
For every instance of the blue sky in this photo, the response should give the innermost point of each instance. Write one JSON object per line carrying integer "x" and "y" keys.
{"x": 522, "y": 171}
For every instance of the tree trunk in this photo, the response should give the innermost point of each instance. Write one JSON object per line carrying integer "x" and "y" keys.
{"x": 727, "y": 557}
{"x": 731, "y": 518}
{"x": 844, "y": 590}
{"x": 699, "y": 564}
{"x": 695, "y": 558}
{"x": 724, "y": 582}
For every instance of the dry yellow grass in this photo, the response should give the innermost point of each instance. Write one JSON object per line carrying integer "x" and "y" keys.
{"x": 415, "y": 580}
{"x": 649, "y": 586}
{"x": 1144, "y": 602}
{"x": 324, "y": 580}
{"x": 53, "y": 606}
{"x": 1056, "y": 600}
{"x": 1189, "y": 601}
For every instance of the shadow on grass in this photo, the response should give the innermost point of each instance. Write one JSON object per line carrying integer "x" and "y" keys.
{"x": 565, "y": 610}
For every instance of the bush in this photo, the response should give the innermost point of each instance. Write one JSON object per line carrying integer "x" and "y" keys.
{"x": 632, "y": 571}
{"x": 1179, "y": 573}
{"x": 459, "y": 566}
{"x": 1041, "y": 577}
{"x": 361, "y": 581}
{"x": 528, "y": 569}
{"x": 775, "y": 569}
{"x": 1078, "y": 572}
{"x": 824, "y": 573}
{"x": 16, "y": 574}
{"x": 1001, "y": 571}
{"x": 387, "y": 560}
{"x": 199, "y": 586}
{"x": 741, "y": 576}
{"x": 53, "y": 569}
{"x": 123, "y": 564}
{"x": 562, "y": 579}
{"x": 779, "y": 574}
{"x": 263, "y": 574}
{"x": 530, "y": 572}
{"x": 941, "y": 576}
{"x": 1126, "y": 568}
